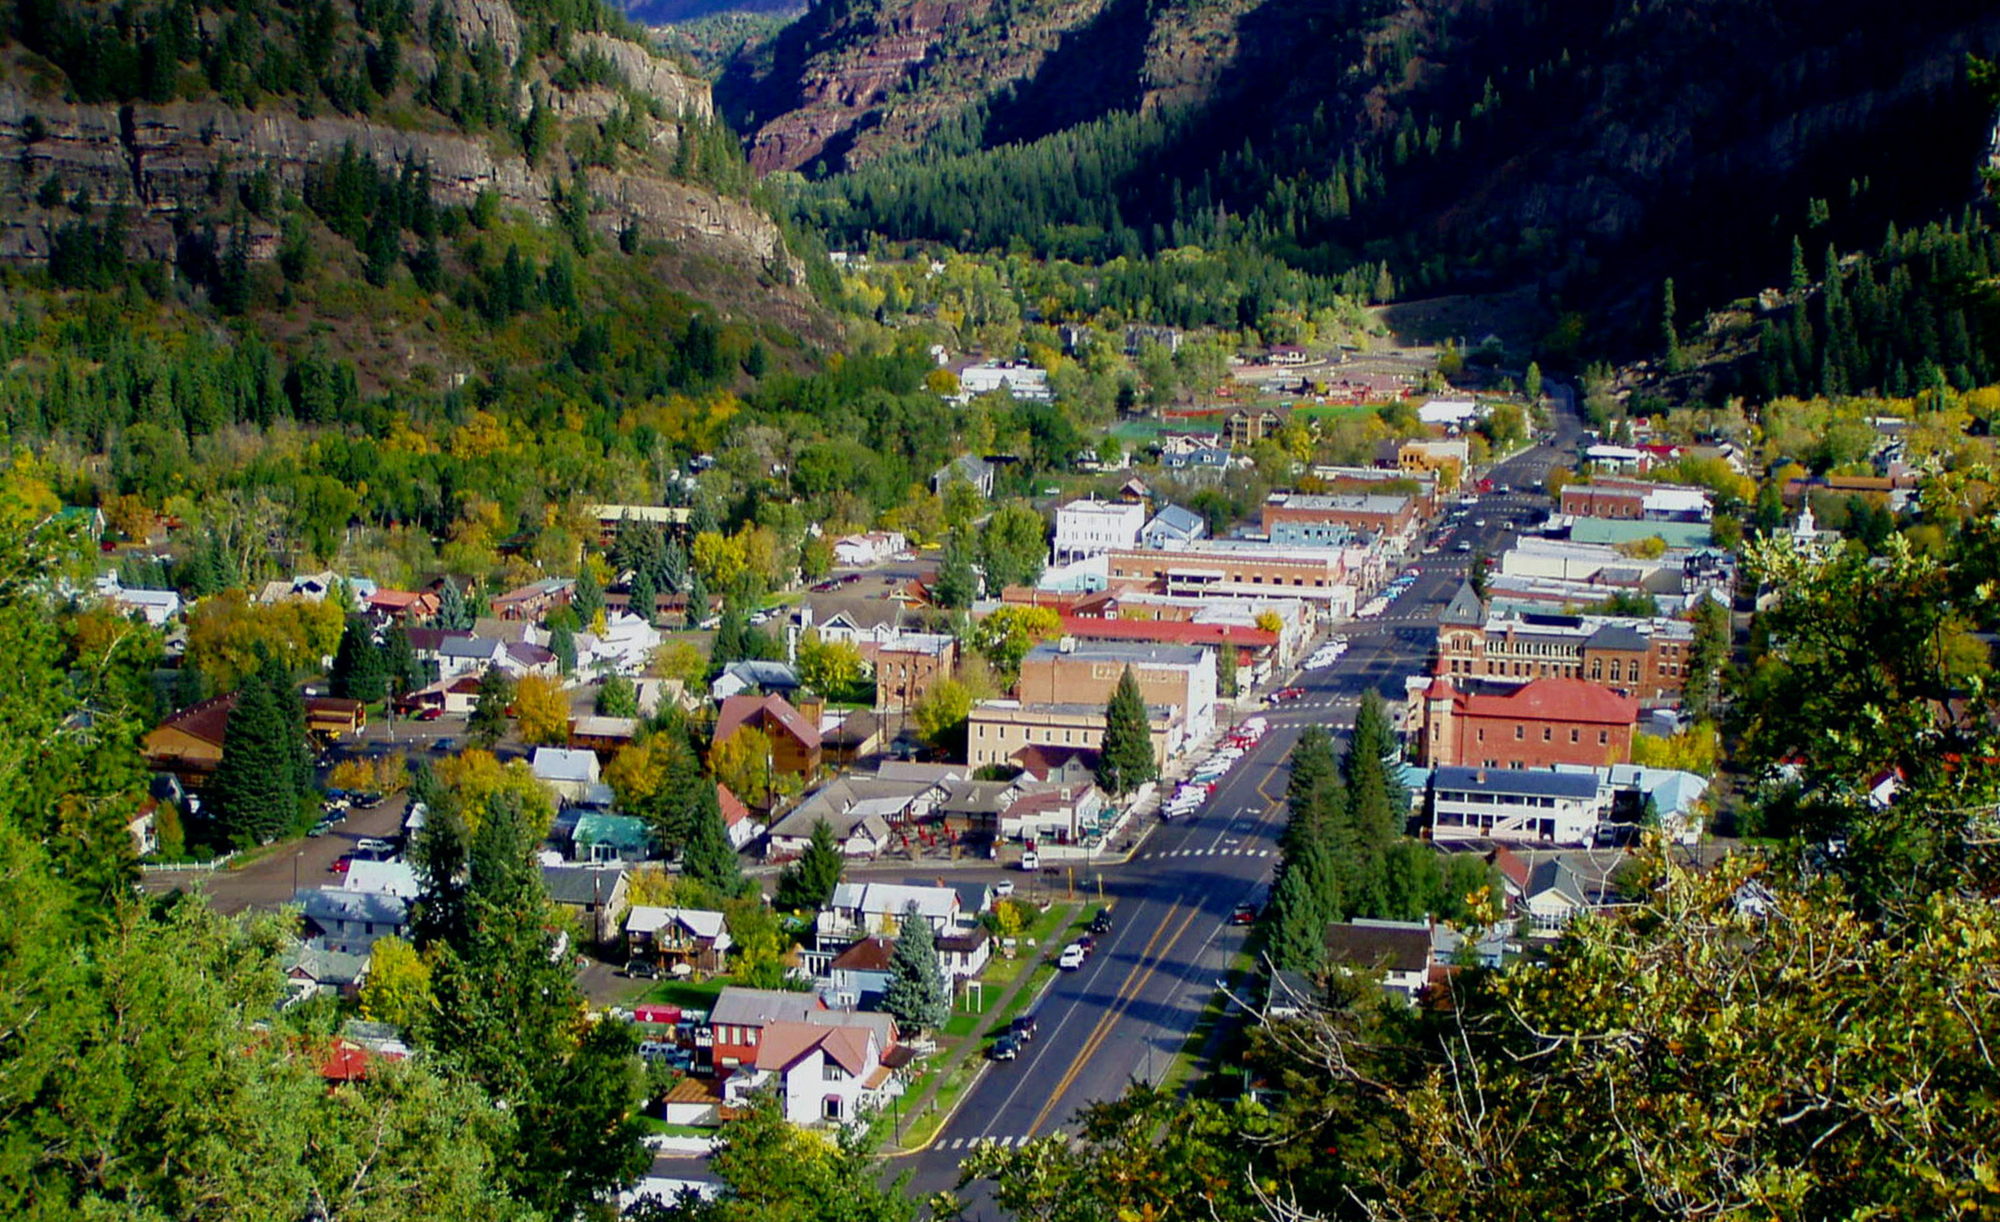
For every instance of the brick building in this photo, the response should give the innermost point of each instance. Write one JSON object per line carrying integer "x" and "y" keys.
{"x": 906, "y": 665}
{"x": 795, "y": 745}
{"x": 1647, "y": 658}
{"x": 1070, "y": 671}
{"x": 1229, "y": 566}
{"x": 1376, "y": 512}
{"x": 1635, "y": 500}
{"x": 1538, "y": 725}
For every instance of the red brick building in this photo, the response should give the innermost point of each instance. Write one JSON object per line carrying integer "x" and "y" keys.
{"x": 1647, "y": 657}
{"x": 1545, "y": 722}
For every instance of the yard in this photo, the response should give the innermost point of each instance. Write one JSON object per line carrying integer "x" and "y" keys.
{"x": 686, "y": 994}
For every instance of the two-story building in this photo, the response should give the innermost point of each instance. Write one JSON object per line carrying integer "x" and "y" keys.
{"x": 1537, "y": 725}
{"x": 1647, "y": 657}
{"x": 1092, "y": 528}
{"x": 1516, "y": 805}
{"x": 1069, "y": 671}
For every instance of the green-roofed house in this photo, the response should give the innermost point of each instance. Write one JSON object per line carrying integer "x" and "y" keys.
{"x": 601, "y": 837}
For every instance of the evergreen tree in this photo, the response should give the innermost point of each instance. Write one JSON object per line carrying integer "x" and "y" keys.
{"x": 731, "y": 635}
{"x": 562, "y": 643}
{"x": 1312, "y": 795}
{"x": 1225, "y": 671}
{"x": 1670, "y": 340}
{"x": 1125, "y": 756}
{"x": 672, "y": 571}
{"x": 617, "y": 698}
{"x": 254, "y": 796}
{"x": 708, "y": 857}
{"x": 189, "y": 687}
{"x": 360, "y": 672}
{"x": 808, "y": 883}
{"x": 454, "y": 613}
{"x": 404, "y": 673}
{"x": 957, "y": 582}
{"x": 441, "y": 854}
{"x": 697, "y": 601}
{"x": 1531, "y": 382}
{"x": 1801, "y": 280}
{"x": 1303, "y": 903}
{"x": 643, "y": 598}
{"x": 488, "y": 723}
{"x": 917, "y": 995}
{"x": 587, "y": 597}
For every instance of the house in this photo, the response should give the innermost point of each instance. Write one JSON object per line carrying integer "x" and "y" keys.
{"x": 189, "y": 744}
{"x": 350, "y": 921}
{"x": 860, "y": 551}
{"x": 1092, "y": 528}
{"x": 1401, "y": 951}
{"x": 612, "y": 518}
{"x": 847, "y": 735}
{"x": 964, "y": 954}
{"x": 738, "y": 820}
{"x": 310, "y": 969}
{"x": 469, "y": 655}
{"x": 754, "y": 676}
{"x": 1517, "y": 805}
{"x": 570, "y": 773}
{"x": 393, "y": 878}
{"x": 156, "y": 607}
{"x": 406, "y": 607}
{"x": 594, "y": 896}
{"x": 603, "y": 736}
{"x": 795, "y": 745}
{"x": 335, "y": 717}
{"x": 1018, "y": 378}
{"x": 738, "y": 1018}
{"x": 522, "y": 658}
{"x": 1062, "y": 813}
{"x": 598, "y": 838}
{"x": 1057, "y": 765}
{"x": 455, "y": 696}
{"x": 859, "y": 976}
{"x": 669, "y": 937}
{"x": 822, "y": 1072}
{"x": 969, "y": 468}
{"x": 859, "y": 909}
{"x": 625, "y": 646}
{"x": 1206, "y": 461}
{"x": 1246, "y": 426}
{"x": 1552, "y": 895}
{"x": 530, "y": 603}
{"x": 1172, "y": 526}
{"x": 862, "y": 810}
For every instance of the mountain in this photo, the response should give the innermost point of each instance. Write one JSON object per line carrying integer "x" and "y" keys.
{"x": 1588, "y": 146}
{"x": 179, "y": 111}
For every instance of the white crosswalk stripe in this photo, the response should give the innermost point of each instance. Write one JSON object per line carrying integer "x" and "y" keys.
{"x": 1228, "y": 852}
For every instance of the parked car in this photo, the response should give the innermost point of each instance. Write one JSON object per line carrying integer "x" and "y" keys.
{"x": 1071, "y": 958}
{"x": 430, "y": 714}
{"x": 1023, "y": 1027}
{"x": 1245, "y": 913}
{"x": 444, "y": 744}
{"x": 642, "y": 969}
{"x": 319, "y": 829}
{"x": 1003, "y": 888}
{"x": 655, "y": 1050}
{"x": 1006, "y": 1048}
{"x": 1101, "y": 923}
{"x": 1031, "y": 860}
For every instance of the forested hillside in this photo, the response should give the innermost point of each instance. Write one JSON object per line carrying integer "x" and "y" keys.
{"x": 1590, "y": 147}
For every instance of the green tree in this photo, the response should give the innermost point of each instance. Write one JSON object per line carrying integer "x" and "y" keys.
{"x": 1708, "y": 658}
{"x": 1006, "y": 635}
{"x": 941, "y": 715}
{"x": 918, "y": 995}
{"x": 1014, "y": 546}
{"x": 455, "y": 614}
{"x": 1670, "y": 339}
{"x": 1532, "y": 382}
{"x": 254, "y": 796}
{"x": 562, "y": 643}
{"x": 403, "y": 673}
{"x": 360, "y": 671}
{"x": 708, "y": 857}
{"x": 642, "y": 596}
{"x": 1125, "y": 759}
{"x": 773, "y": 1171}
{"x": 957, "y": 582}
{"x": 488, "y": 723}
{"x": 587, "y": 596}
{"x": 618, "y": 697}
{"x": 808, "y": 883}
{"x": 831, "y": 668}
{"x": 1225, "y": 670}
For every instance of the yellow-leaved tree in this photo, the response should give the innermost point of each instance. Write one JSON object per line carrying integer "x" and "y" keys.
{"x": 541, "y": 711}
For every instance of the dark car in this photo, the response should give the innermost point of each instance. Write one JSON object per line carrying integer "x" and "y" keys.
{"x": 1244, "y": 913}
{"x": 1006, "y": 1048}
{"x": 1088, "y": 943}
{"x": 642, "y": 969}
{"x": 1023, "y": 1027}
{"x": 443, "y": 744}
{"x": 1101, "y": 923}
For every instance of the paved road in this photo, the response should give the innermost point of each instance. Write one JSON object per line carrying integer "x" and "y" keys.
{"x": 1124, "y": 1014}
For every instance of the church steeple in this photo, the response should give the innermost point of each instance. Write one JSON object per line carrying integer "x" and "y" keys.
{"x": 1465, "y": 611}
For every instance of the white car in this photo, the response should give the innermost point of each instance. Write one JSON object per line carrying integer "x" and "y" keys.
{"x": 1071, "y": 957}
{"x": 1003, "y": 888}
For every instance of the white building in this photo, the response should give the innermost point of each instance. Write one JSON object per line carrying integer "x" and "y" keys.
{"x": 1021, "y": 380}
{"x": 859, "y": 909}
{"x": 1448, "y": 411}
{"x": 1092, "y": 528}
{"x": 821, "y": 1072}
{"x": 1516, "y": 805}
{"x": 571, "y": 774}
{"x": 859, "y": 551}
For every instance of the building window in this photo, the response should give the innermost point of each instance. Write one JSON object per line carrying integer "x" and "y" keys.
{"x": 1575, "y": 735}
{"x": 1520, "y": 733}
{"x": 1597, "y": 668}
{"x": 1604, "y": 738}
{"x": 1548, "y": 733}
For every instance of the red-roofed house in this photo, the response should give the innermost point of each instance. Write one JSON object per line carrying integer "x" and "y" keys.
{"x": 795, "y": 743}
{"x": 822, "y": 1072}
{"x": 1537, "y": 725}
{"x": 189, "y": 744}
{"x": 737, "y": 819}
{"x": 406, "y": 607}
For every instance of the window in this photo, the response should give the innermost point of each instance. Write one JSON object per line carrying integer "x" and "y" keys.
{"x": 833, "y": 1073}
{"x": 1597, "y": 668}
{"x": 1575, "y": 735}
{"x": 833, "y": 1107}
{"x": 1548, "y": 734}
{"x": 1479, "y": 736}
{"x": 1520, "y": 733}
{"x": 1604, "y": 738}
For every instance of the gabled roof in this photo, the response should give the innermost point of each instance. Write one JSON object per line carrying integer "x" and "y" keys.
{"x": 470, "y": 647}
{"x": 581, "y": 885}
{"x": 892, "y": 898}
{"x": 1512, "y": 866}
{"x": 733, "y": 810}
{"x": 867, "y": 955}
{"x": 1464, "y": 610}
{"x": 1393, "y": 946}
{"x": 1554, "y": 878}
{"x": 784, "y": 1044}
{"x": 397, "y": 878}
{"x": 738, "y": 1007}
{"x": 565, "y": 764}
{"x": 757, "y": 672}
{"x": 1180, "y": 521}
{"x": 323, "y": 904}
{"x": 205, "y": 721}
{"x": 767, "y": 713}
{"x": 699, "y": 923}
{"x": 1559, "y": 700}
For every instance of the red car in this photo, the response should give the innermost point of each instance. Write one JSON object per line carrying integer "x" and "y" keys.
{"x": 341, "y": 864}
{"x": 430, "y": 714}
{"x": 1287, "y": 693}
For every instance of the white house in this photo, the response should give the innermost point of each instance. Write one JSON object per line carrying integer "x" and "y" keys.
{"x": 573, "y": 774}
{"x": 859, "y": 551}
{"x": 469, "y": 655}
{"x": 1448, "y": 411}
{"x": 1552, "y": 896}
{"x": 624, "y": 646}
{"x": 397, "y": 878}
{"x": 1092, "y": 528}
{"x": 1021, "y": 380}
{"x": 1401, "y": 951}
{"x": 964, "y": 955}
{"x": 157, "y": 606}
{"x": 1516, "y": 805}
{"x": 1173, "y": 526}
{"x": 859, "y": 909}
{"x": 821, "y": 1072}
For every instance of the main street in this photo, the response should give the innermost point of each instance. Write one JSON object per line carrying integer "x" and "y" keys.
{"x": 1124, "y": 1015}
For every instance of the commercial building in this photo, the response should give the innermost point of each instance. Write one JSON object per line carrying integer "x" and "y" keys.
{"x": 1070, "y": 671}
{"x": 1092, "y": 528}
{"x": 1540, "y": 724}
{"x": 999, "y": 729}
{"x": 1371, "y": 513}
{"x": 906, "y": 665}
{"x": 1517, "y": 805}
{"x": 1637, "y": 500}
{"x": 1234, "y": 567}
{"x": 1647, "y": 657}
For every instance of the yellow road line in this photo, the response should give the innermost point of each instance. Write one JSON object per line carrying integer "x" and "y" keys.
{"x": 1127, "y": 993}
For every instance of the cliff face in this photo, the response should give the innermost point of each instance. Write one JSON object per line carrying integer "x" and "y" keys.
{"x": 162, "y": 160}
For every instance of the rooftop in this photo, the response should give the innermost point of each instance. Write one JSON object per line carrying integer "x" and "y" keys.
{"x": 1514, "y": 782}
{"x": 1559, "y": 700}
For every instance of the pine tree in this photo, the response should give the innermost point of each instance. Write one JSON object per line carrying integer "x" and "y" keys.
{"x": 731, "y": 635}
{"x": 488, "y": 723}
{"x": 808, "y": 883}
{"x": 917, "y": 995}
{"x": 587, "y": 597}
{"x": 1801, "y": 280}
{"x": 454, "y": 614}
{"x": 1125, "y": 758}
{"x": 1670, "y": 339}
{"x": 254, "y": 795}
{"x": 360, "y": 672}
{"x": 957, "y": 582}
{"x": 405, "y": 674}
{"x": 1225, "y": 671}
{"x": 562, "y": 643}
{"x": 697, "y": 601}
{"x": 708, "y": 856}
{"x": 643, "y": 598}
{"x": 1303, "y": 903}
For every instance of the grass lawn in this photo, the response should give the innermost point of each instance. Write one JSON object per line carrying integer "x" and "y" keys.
{"x": 685, "y": 994}
{"x": 921, "y": 1129}
{"x": 967, "y": 1011}
{"x": 655, "y": 1125}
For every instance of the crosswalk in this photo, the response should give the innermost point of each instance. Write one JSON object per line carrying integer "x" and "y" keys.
{"x": 974, "y": 1143}
{"x": 1208, "y": 853}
